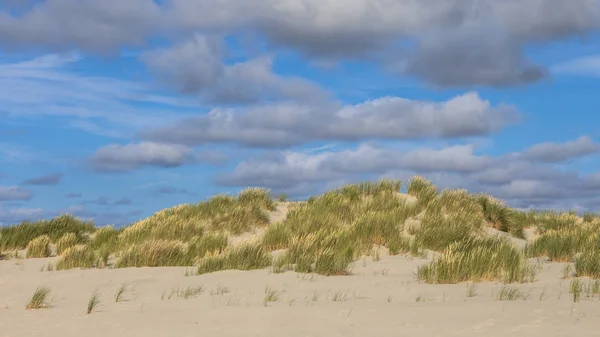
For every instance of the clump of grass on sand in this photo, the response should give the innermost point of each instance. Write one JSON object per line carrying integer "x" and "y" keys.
{"x": 93, "y": 302}
{"x": 79, "y": 256}
{"x": 500, "y": 216}
{"x": 154, "y": 253}
{"x": 588, "y": 264}
{"x": 246, "y": 256}
{"x": 186, "y": 293}
{"x": 39, "y": 247}
{"x": 66, "y": 241}
{"x": 121, "y": 292}
{"x": 17, "y": 237}
{"x": 563, "y": 244}
{"x": 39, "y": 299}
{"x": 510, "y": 293}
{"x": 423, "y": 190}
{"x": 478, "y": 259}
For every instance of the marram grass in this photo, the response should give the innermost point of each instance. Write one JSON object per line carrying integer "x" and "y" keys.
{"x": 327, "y": 233}
{"x": 39, "y": 247}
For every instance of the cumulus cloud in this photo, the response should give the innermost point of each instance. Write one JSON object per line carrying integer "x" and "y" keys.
{"x": 463, "y": 59}
{"x": 521, "y": 181}
{"x": 328, "y": 29}
{"x": 49, "y": 179}
{"x": 560, "y": 152}
{"x": 285, "y": 169}
{"x": 286, "y": 124}
{"x": 18, "y": 214}
{"x": 14, "y": 193}
{"x": 120, "y": 158}
{"x": 195, "y": 67}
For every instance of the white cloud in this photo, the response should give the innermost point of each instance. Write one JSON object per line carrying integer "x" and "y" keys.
{"x": 587, "y": 66}
{"x": 513, "y": 177}
{"x": 14, "y": 193}
{"x": 285, "y": 124}
{"x": 196, "y": 67}
{"x": 45, "y": 86}
{"x": 118, "y": 158}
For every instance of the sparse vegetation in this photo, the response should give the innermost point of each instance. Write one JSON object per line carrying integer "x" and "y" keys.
{"x": 121, "y": 292}
{"x": 471, "y": 289}
{"x": 327, "y": 233}
{"x": 93, "y": 302}
{"x": 39, "y": 299}
{"x": 186, "y": 293}
{"x": 271, "y": 295}
{"x": 510, "y": 293}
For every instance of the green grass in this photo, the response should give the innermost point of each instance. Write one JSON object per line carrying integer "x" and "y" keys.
{"x": 155, "y": 253}
{"x": 246, "y": 256}
{"x": 271, "y": 295}
{"x": 121, "y": 292}
{"x": 500, "y": 216}
{"x": 18, "y": 236}
{"x": 39, "y": 299}
{"x": 478, "y": 259}
{"x": 80, "y": 256}
{"x": 66, "y": 241}
{"x": 93, "y": 302}
{"x": 588, "y": 264}
{"x": 326, "y": 234}
{"x": 423, "y": 190}
{"x": 562, "y": 245}
{"x": 511, "y": 293}
{"x": 39, "y": 247}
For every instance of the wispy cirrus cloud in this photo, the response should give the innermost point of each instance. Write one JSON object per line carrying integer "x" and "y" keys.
{"x": 100, "y": 105}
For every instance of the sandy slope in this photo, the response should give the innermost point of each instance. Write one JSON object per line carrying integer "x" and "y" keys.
{"x": 380, "y": 299}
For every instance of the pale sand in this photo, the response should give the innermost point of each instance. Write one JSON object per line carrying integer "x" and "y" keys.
{"x": 379, "y": 299}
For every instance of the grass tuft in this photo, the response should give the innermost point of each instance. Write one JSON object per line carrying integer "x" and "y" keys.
{"x": 39, "y": 247}
{"x": 93, "y": 302}
{"x": 39, "y": 299}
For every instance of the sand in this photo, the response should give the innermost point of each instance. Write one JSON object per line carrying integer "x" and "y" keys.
{"x": 381, "y": 298}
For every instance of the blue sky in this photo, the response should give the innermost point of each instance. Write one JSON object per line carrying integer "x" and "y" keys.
{"x": 113, "y": 110}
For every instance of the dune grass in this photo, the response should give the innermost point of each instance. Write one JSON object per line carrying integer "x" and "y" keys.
{"x": 246, "y": 256}
{"x": 121, "y": 292}
{"x": 66, "y": 241}
{"x": 39, "y": 247}
{"x": 39, "y": 299}
{"x": 93, "y": 302}
{"x": 80, "y": 256}
{"x": 327, "y": 233}
{"x": 478, "y": 259}
{"x": 155, "y": 253}
{"x": 19, "y": 236}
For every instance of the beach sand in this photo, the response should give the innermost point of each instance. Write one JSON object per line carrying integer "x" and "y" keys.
{"x": 381, "y": 298}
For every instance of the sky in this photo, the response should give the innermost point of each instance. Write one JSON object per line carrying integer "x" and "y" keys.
{"x": 112, "y": 110}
